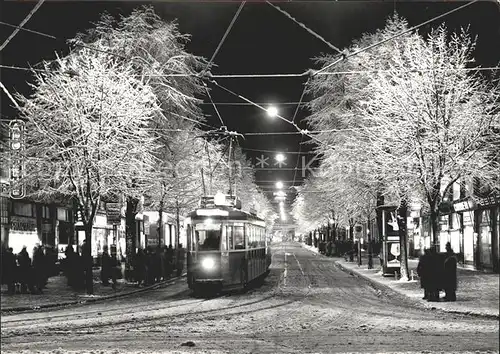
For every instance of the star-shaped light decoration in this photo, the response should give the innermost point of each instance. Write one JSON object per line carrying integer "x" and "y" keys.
{"x": 262, "y": 161}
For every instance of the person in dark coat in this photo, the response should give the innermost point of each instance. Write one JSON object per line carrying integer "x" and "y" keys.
{"x": 69, "y": 265}
{"x": 179, "y": 259}
{"x": 329, "y": 248}
{"x": 169, "y": 261}
{"x": 140, "y": 267}
{"x": 434, "y": 275}
{"x": 106, "y": 267}
{"x": 39, "y": 268}
{"x": 158, "y": 264}
{"x": 149, "y": 268}
{"x": 424, "y": 272}
{"x": 9, "y": 270}
{"x": 25, "y": 272}
{"x": 450, "y": 274}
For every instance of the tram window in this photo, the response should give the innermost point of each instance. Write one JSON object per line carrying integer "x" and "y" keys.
{"x": 227, "y": 239}
{"x": 239, "y": 238}
{"x": 208, "y": 239}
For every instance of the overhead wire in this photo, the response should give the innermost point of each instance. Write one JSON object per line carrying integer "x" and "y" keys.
{"x": 298, "y": 159}
{"x": 305, "y": 27}
{"x": 28, "y": 30}
{"x": 303, "y": 131}
{"x": 228, "y": 29}
{"x": 278, "y": 75}
{"x": 215, "y": 107}
{"x": 276, "y": 151}
{"x": 348, "y": 55}
{"x": 23, "y": 22}
{"x": 249, "y": 104}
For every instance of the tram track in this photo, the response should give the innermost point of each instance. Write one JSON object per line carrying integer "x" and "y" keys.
{"x": 139, "y": 320}
{"x": 78, "y": 320}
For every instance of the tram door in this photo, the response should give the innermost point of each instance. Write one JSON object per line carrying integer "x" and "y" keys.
{"x": 231, "y": 256}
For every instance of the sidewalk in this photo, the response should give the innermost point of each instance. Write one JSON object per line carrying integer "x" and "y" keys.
{"x": 478, "y": 293}
{"x": 58, "y": 293}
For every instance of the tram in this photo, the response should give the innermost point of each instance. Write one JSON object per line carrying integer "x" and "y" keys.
{"x": 226, "y": 247}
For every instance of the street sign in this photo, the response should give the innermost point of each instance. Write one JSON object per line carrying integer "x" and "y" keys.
{"x": 113, "y": 213}
{"x": 16, "y": 168}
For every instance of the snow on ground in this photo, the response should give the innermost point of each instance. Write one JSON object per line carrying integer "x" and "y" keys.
{"x": 306, "y": 305}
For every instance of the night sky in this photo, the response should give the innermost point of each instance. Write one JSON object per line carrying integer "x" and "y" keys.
{"x": 261, "y": 41}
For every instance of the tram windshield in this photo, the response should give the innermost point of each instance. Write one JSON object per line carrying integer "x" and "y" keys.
{"x": 208, "y": 237}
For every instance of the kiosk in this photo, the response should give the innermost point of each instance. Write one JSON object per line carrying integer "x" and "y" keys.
{"x": 391, "y": 255}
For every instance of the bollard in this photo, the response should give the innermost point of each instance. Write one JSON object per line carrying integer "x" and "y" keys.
{"x": 412, "y": 275}
{"x": 396, "y": 275}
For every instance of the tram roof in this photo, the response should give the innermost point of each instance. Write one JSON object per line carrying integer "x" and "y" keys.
{"x": 223, "y": 212}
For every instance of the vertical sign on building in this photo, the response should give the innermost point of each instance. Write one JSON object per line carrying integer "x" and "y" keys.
{"x": 16, "y": 170}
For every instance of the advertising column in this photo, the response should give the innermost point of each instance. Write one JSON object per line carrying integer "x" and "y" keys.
{"x": 390, "y": 245}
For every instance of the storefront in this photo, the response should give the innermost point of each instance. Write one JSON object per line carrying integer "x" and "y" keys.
{"x": 479, "y": 232}
{"x": 102, "y": 235}
{"x": 23, "y": 227}
{"x": 46, "y": 225}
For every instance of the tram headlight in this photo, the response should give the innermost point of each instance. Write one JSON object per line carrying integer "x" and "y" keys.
{"x": 208, "y": 263}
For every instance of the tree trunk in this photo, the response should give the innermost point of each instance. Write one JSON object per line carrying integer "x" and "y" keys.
{"x": 160, "y": 223}
{"x": 177, "y": 224}
{"x": 130, "y": 234}
{"x": 351, "y": 230}
{"x": 380, "y": 203}
{"x": 434, "y": 220}
{"x": 369, "y": 240}
{"x": 403, "y": 237}
{"x": 87, "y": 258}
{"x": 477, "y": 245}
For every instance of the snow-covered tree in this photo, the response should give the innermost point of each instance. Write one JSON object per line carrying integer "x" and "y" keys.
{"x": 436, "y": 122}
{"x": 156, "y": 51}
{"x": 86, "y": 133}
{"x": 409, "y": 117}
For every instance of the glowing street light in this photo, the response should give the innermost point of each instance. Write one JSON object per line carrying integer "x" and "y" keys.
{"x": 279, "y": 184}
{"x": 272, "y": 111}
{"x": 280, "y": 157}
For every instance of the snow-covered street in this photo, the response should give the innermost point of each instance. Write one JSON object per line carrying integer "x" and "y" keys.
{"x": 306, "y": 305}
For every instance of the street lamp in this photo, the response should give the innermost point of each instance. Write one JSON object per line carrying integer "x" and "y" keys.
{"x": 280, "y": 157}
{"x": 272, "y": 111}
{"x": 279, "y": 184}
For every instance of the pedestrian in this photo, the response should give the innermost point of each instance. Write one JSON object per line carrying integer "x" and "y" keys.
{"x": 434, "y": 275}
{"x": 69, "y": 265}
{"x": 106, "y": 267}
{"x": 424, "y": 272}
{"x": 140, "y": 267}
{"x": 179, "y": 259}
{"x": 329, "y": 249}
{"x": 87, "y": 262}
{"x": 9, "y": 270}
{"x": 149, "y": 268}
{"x": 25, "y": 271}
{"x": 450, "y": 274}
{"x": 170, "y": 261}
{"x": 352, "y": 250}
{"x": 39, "y": 269}
{"x": 157, "y": 260}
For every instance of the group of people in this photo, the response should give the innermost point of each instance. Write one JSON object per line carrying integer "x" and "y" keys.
{"x": 23, "y": 274}
{"x": 438, "y": 271}
{"x": 155, "y": 264}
